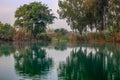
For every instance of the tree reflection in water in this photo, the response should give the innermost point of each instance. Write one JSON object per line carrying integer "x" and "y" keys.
{"x": 97, "y": 64}
{"x": 32, "y": 60}
{"x": 6, "y": 49}
{"x": 61, "y": 46}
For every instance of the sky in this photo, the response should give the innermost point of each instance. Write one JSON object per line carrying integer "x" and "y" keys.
{"x": 8, "y": 8}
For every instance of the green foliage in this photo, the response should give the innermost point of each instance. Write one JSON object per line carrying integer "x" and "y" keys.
{"x": 100, "y": 14}
{"x": 61, "y": 35}
{"x": 98, "y": 37}
{"x": 34, "y": 16}
{"x": 66, "y": 38}
{"x": 1, "y": 25}
{"x": 81, "y": 38}
{"x": 32, "y": 61}
{"x": 61, "y": 31}
{"x": 43, "y": 37}
{"x": 114, "y": 15}
{"x": 84, "y": 62}
{"x": 97, "y": 10}
{"x": 92, "y": 13}
{"x": 73, "y": 11}
{"x": 6, "y": 49}
{"x": 61, "y": 46}
{"x": 7, "y": 31}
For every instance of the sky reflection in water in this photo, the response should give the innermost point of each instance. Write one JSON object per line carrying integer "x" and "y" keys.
{"x": 43, "y": 61}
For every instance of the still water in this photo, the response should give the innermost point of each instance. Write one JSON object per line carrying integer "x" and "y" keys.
{"x": 60, "y": 61}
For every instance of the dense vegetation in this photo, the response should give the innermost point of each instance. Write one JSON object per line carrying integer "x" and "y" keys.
{"x": 34, "y": 18}
{"x": 6, "y": 31}
{"x": 100, "y": 14}
{"x": 88, "y": 63}
{"x": 31, "y": 21}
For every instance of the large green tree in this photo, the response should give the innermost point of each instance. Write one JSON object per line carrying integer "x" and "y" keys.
{"x": 73, "y": 11}
{"x": 82, "y": 13}
{"x": 34, "y": 17}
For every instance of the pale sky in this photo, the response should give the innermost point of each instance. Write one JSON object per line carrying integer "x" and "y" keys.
{"x": 8, "y": 8}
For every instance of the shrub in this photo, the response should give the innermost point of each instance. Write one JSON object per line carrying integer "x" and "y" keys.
{"x": 43, "y": 37}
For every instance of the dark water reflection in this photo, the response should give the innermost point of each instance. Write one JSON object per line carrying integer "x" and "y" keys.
{"x": 32, "y": 61}
{"x": 61, "y": 61}
{"x": 102, "y": 63}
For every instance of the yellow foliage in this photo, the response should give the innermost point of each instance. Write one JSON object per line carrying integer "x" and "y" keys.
{"x": 1, "y": 26}
{"x": 73, "y": 38}
{"x": 89, "y": 4}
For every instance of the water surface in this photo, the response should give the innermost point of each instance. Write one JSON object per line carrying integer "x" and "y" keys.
{"x": 60, "y": 61}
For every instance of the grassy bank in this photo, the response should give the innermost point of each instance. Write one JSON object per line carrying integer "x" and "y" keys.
{"x": 99, "y": 37}
{"x": 92, "y": 37}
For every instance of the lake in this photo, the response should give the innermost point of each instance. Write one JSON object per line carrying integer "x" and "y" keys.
{"x": 59, "y": 61}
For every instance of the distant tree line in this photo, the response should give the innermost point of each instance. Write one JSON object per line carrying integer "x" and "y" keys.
{"x": 31, "y": 19}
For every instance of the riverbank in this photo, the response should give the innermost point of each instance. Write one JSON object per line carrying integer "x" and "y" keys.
{"x": 96, "y": 37}
{"x": 99, "y": 37}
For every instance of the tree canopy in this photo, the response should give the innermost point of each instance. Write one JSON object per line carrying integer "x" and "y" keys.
{"x": 93, "y": 13}
{"x": 61, "y": 31}
{"x": 114, "y": 15}
{"x": 6, "y": 31}
{"x": 34, "y": 17}
{"x": 73, "y": 11}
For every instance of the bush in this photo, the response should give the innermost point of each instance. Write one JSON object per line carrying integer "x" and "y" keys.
{"x": 66, "y": 38}
{"x": 43, "y": 37}
{"x": 81, "y": 38}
